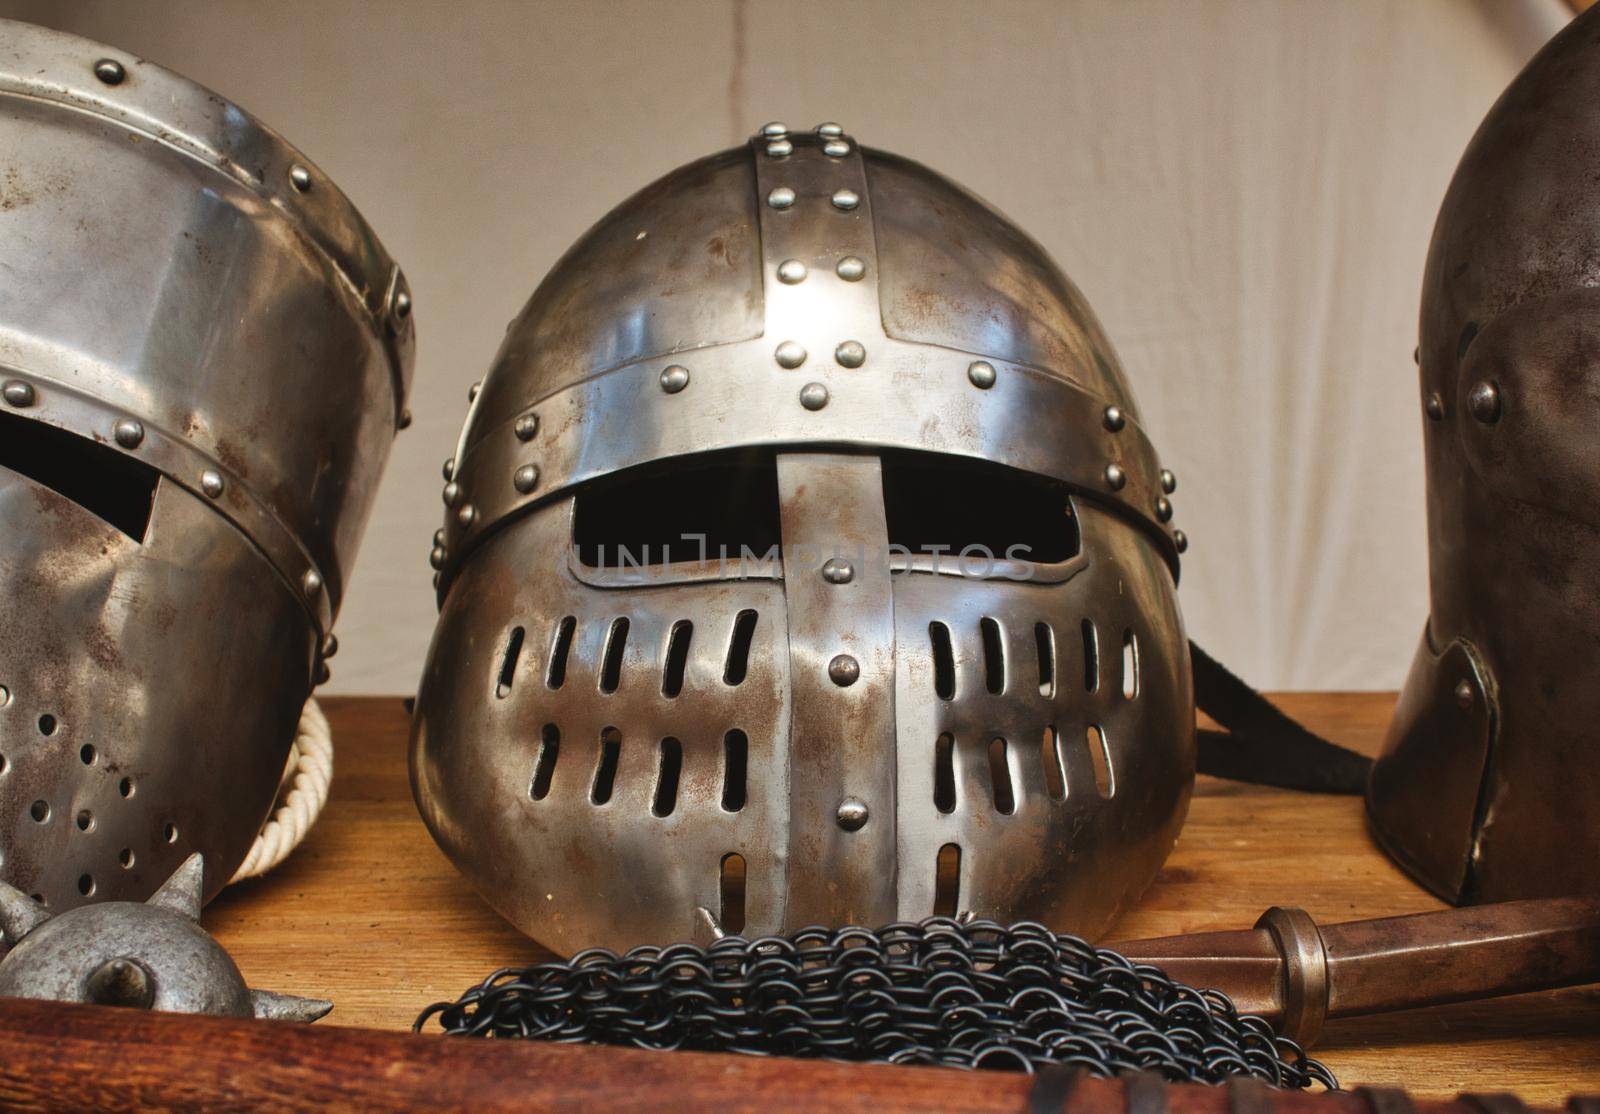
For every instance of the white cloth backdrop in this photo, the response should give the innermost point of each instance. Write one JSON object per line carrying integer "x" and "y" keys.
{"x": 1244, "y": 191}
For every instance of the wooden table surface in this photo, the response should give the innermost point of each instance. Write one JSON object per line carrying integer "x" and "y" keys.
{"x": 368, "y": 912}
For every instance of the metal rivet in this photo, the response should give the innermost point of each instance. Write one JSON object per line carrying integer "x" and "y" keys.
{"x": 1180, "y": 540}
{"x": 436, "y": 558}
{"x": 450, "y": 469}
{"x": 311, "y": 582}
{"x": 981, "y": 374}
{"x": 844, "y": 670}
{"x": 211, "y": 482}
{"x": 300, "y": 177}
{"x": 781, "y": 198}
{"x": 527, "y": 426}
{"x": 1113, "y": 418}
{"x": 845, "y": 199}
{"x": 813, "y": 396}
{"x": 791, "y": 271}
{"x": 1464, "y": 694}
{"x": 779, "y": 148}
{"x": 1434, "y": 407}
{"x": 830, "y": 130}
{"x": 790, "y": 354}
{"x": 402, "y": 304}
{"x": 1115, "y": 477}
{"x": 1484, "y": 401}
{"x": 438, "y": 537}
{"x": 526, "y": 478}
{"x": 330, "y": 645}
{"x": 674, "y": 378}
{"x": 128, "y": 432}
{"x": 851, "y": 268}
{"x": 837, "y": 148}
{"x": 1169, "y": 482}
{"x": 437, "y": 577}
{"x": 836, "y": 570}
{"x": 852, "y": 353}
{"x": 18, "y": 393}
{"x": 852, "y": 814}
{"x": 452, "y": 494}
{"x": 110, "y": 71}
{"x": 1163, "y": 509}
{"x": 467, "y": 515}
{"x": 324, "y": 674}
{"x": 405, "y": 419}
{"x": 472, "y": 391}
{"x": 775, "y": 130}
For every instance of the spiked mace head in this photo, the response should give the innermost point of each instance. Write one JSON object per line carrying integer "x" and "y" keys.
{"x": 153, "y": 955}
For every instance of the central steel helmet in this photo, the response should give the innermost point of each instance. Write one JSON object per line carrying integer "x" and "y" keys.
{"x": 805, "y": 561}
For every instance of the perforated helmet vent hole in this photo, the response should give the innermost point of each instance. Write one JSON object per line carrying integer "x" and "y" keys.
{"x": 605, "y": 771}
{"x": 127, "y": 858}
{"x": 560, "y": 646}
{"x": 731, "y": 893}
{"x": 677, "y": 657}
{"x": 944, "y": 773}
{"x": 735, "y": 769}
{"x": 1045, "y": 644}
{"x": 994, "y": 655}
{"x": 1130, "y": 665}
{"x": 544, "y": 765}
{"x": 48, "y": 724}
{"x": 112, "y": 486}
{"x": 508, "y": 663}
{"x": 669, "y": 767}
{"x": 944, "y": 662}
{"x": 5, "y": 764}
{"x": 738, "y": 662}
{"x": 611, "y": 659}
{"x": 1005, "y": 801}
{"x": 1055, "y": 764}
{"x": 947, "y": 881}
{"x": 87, "y": 754}
{"x": 1105, "y": 778}
{"x": 1091, "y": 657}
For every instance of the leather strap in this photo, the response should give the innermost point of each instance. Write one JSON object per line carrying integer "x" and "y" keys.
{"x": 1261, "y": 745}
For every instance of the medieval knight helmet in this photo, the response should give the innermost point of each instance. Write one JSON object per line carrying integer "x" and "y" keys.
{"x": 1488, "y": 788}
{"x": 204, "y": 355}
{"x": 805, "y": 561}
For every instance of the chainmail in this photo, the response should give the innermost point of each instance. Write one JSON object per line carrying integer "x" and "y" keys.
{"x": 971, "y": 994}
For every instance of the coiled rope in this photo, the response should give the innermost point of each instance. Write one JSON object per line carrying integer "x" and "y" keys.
{"x": 301, "y": 794}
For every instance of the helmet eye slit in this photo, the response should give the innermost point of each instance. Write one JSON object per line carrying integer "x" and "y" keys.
{"x": 111, "y": 485}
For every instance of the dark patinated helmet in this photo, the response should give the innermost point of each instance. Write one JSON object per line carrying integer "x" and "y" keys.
{"x": 804, "y": 561}
{"x": 1489, "y": 786}
{"x": 204, "y": 356}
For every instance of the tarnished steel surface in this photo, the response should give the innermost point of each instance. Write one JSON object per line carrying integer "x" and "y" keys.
{"x": 847, "y": 729}
{"x": 685, "y": 274}
{"x": 204, "y": 356}
{"x": 161, "y": 259}
{"x": 1510, "y": 393}
{"x": 122, "y": 753}
{"x": 152, "y": 956}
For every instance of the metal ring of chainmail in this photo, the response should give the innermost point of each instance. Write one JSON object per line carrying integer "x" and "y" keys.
{"x": 969, "y": 994}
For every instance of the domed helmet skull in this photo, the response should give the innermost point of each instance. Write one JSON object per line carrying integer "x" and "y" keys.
{"x": 204, "y": 356}
{"x": 804, "y": 561}
{"x": 1486, "y": 790}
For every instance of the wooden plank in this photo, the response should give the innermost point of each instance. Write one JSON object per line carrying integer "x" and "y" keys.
{"x": 370, "y": 914}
